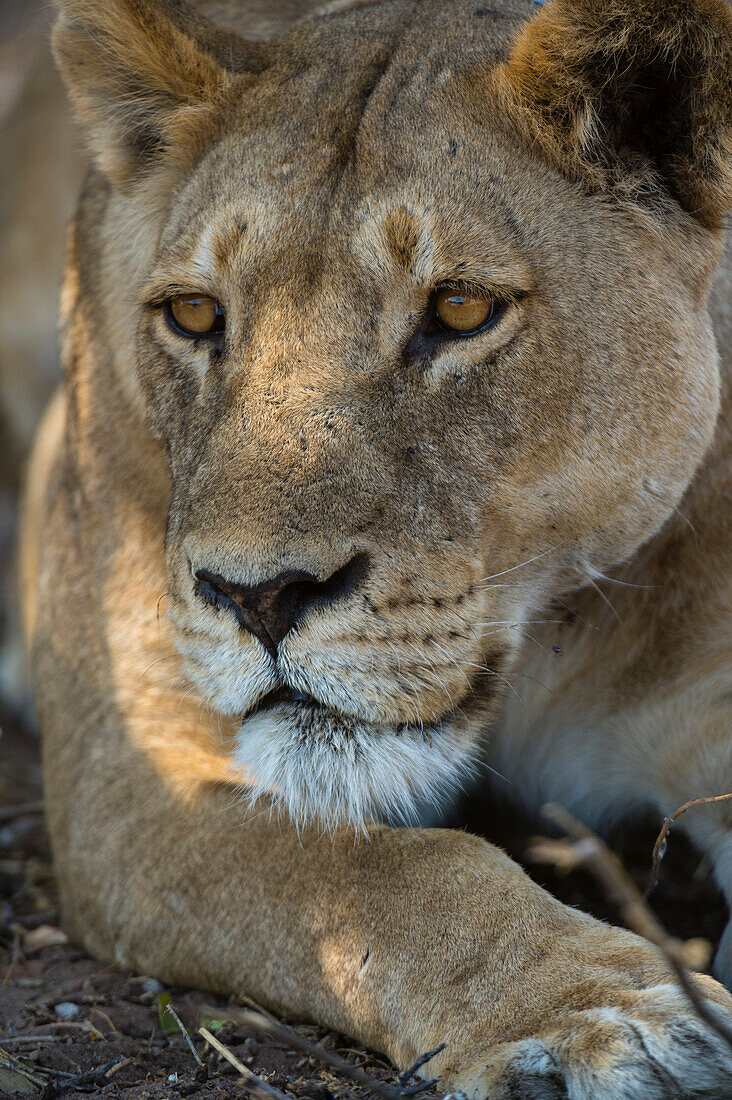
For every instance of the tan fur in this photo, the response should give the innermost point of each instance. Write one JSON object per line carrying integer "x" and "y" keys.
{"x": 576, "y": 65}
{"x": 320, "y": 186}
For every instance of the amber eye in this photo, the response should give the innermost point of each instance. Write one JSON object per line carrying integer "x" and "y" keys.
{"x": 463, "y": 314}
{"x": 194, "y": 315}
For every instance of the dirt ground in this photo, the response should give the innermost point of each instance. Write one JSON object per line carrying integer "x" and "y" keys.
{"x": 70, "y": 1026}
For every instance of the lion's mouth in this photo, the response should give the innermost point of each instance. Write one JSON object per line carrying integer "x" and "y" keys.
{"x": 308, "y": 706}
{"x": 280, "y": 696}
{"x": 323, "y": 761}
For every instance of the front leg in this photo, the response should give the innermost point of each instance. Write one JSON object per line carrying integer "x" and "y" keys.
{"x": 402, "y": 939}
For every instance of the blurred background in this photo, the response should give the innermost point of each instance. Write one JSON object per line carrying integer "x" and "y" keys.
{"x": 40, "y": 171}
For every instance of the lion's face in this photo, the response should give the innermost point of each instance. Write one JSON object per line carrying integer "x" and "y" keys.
{"x": 367, "y": 506}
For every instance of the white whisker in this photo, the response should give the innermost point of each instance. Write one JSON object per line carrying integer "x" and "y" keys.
{"x": 605, "y": 599}
{"x": 521, "y": 565}
{"x": 623, "y": 584}
{"x": 170, "y": 657}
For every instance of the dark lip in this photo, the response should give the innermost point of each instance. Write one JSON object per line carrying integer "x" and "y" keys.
{"x": 283, "y": 695}
{"x": 482, "y": 691}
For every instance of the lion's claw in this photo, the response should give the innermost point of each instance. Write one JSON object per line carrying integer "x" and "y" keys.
{"x": 654, "y": 1049}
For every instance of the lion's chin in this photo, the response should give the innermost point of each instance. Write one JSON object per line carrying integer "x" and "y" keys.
{"x": 329, "y": 769}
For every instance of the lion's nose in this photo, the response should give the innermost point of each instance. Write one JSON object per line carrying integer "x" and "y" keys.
{"x": 270, "y": 609}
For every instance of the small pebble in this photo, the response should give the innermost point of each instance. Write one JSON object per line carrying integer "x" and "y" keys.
{"x": 172, "y": 1078}
{"x": 66, "y": 1010}
{"x": 152, "y": 985}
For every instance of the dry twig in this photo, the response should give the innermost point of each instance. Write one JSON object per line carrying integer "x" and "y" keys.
{"x": 254, "y": 1083}
{"x": 29, "y": 1040}
{"x": 89, "y": 1081}
{"x": 23, "y": 809}
{"x": 39, "y": 1031}
{"x": 15, "y": 1076}
{"x": 122, "y": 1064}
{"x": 659, "y": 848}
{"x": 409, "y": 1074}
{"x": 587, "y": 850}
{"x": 169, "y": 1009}
{"x": 258, "y": 1022}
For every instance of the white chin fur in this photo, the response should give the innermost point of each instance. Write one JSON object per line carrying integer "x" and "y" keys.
{"x": 324, "y": 769}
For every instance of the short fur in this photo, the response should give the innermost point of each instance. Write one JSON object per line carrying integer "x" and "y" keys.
{"x": 320, "y": 185}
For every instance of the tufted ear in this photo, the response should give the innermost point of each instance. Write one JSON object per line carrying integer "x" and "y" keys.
{"x": 631, "y": 95}
{"x": 144, "y": 76}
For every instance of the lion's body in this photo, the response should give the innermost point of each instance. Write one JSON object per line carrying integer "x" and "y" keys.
{"x": 634, "y": 712}
{"x": 477, "y": 491}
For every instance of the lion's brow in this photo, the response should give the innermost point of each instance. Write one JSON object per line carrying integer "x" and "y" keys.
{"x": 401, "y": 234}
{"x": 209, "y": 250}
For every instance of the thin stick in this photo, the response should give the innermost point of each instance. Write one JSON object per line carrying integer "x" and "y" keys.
{"x": 256, "y": 1084}
{"x": 27, "y": 1040}
{"x": 61, "y": 1025}
{"x": 249, "y": 1019}
{"x": 590, "y": 852}
{"x": 24, "y": 809}
{"x": 120, "y": 1065}
{"x": 96, "y": 1076}
{"x": 406, "y": 1077}
{"x": 10, "y": 1063}
{"x": 659, "y": 848}
{"x": 169, "y": 1008}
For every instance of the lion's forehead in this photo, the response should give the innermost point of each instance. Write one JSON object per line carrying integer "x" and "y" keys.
{"x": 349, "y": 112}
{"x": 301, "y": 217}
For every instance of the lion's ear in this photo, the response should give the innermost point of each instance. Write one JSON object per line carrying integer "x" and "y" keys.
{"x": 633, "y": 94}
{"x": 143, "y": 74}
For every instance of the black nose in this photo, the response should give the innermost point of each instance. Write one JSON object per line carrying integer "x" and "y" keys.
{"x": 270, "y": 609}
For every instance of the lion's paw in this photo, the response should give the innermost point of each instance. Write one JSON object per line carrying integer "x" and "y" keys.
{"x": 652, "y": 1048}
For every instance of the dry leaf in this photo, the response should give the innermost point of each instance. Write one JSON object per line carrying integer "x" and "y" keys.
{"x": 46, "y": 935}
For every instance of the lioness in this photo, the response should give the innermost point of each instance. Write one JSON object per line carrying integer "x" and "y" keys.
{"x": 384, "y": 338}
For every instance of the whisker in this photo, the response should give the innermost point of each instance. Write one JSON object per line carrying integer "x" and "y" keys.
{"x": 572, "y": 611}
{"x": 674, "y": 508}
{"x": 623, "y": 584}
{"x": 605, "y": 599}
{"x": 157, "y": 605}
{"x": 521, "y": 565}
{"x": 522, "y": 622}
{"x": 454, "y": 661}
{"x": 484, "y": 668}
{"x": 482, "y": 763}
{"x": 525, "y": 634}
{"x": 170, "y": 657}
{"x": 504, "y": 584}
{"x": 527, "y": 676}
{"x": 183, "y": 697}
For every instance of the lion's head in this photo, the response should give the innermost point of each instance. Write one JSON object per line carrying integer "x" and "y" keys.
{"x": 415, "y": 298}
